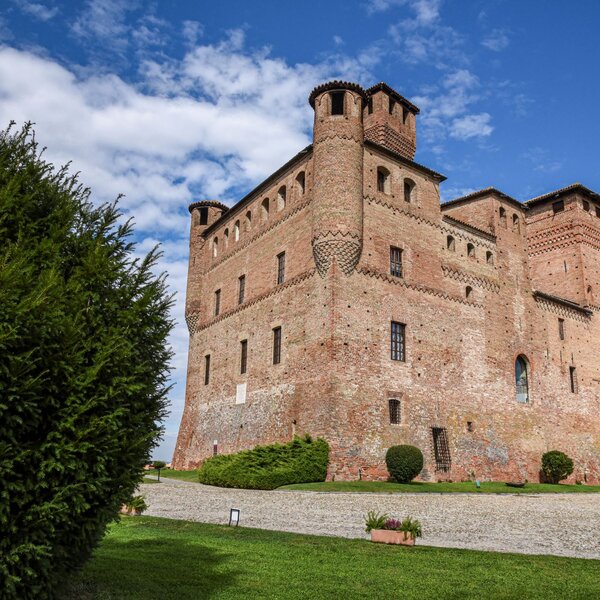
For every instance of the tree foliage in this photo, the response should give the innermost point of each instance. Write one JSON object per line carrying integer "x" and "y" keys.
{"x": 83, "y": 368}
{"x": 302, "y": 460}
{"x": 556, "y": 466}
{"x": 404, "y": 462}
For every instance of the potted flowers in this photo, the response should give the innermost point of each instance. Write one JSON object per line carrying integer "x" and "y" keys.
{"x": 136, "y": 506}
{"x": 386, "y": 530}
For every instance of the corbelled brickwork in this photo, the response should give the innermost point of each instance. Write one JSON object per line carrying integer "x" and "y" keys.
{"x": 481, "y": 283}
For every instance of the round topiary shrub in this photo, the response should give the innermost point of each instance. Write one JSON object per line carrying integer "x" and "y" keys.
{"x": 556, "y": 466}
{"x": 404, "y": 463}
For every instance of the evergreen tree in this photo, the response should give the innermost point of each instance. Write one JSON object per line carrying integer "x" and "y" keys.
{"x": 83, "y": 368}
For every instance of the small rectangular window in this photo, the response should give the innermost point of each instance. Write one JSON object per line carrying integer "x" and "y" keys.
{"x": 573, "y": 379}
{"x": 397, "y": 341}
{"x": 276, "y": 345}
{"x": 280, "y": 268}
{"x": 217, "y": 302}
{"x": 558, "y": 206}
{"x": 395, "y": 411}
{"x": 243, "y": 356}
{"x": 241, "y": 289}
{"x": 391, "y": 105}
{"x": 337, "y": 103}
{"x": 207, "y": 369}
{"x": 395, "y": 261}
{"x": 586, "y": 205}
{"x": 561, "y": 329}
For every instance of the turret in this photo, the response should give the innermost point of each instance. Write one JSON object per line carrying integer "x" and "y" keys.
{"x": 337, "y": 207}
{"x": 204, "y": 214}
{"x": 391, "y": 120}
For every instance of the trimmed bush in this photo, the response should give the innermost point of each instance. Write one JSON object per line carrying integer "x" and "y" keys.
{"x": 268, "y": 467}
{"x": 404, "y": 463}
{"x": 556, "y": 466}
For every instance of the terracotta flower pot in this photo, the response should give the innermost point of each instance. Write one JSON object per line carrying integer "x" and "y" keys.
{"x": 386, "y": 536}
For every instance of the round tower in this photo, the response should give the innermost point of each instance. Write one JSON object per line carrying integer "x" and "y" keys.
{"x": 337, "y": 206}
{"x": 204, "y": 214}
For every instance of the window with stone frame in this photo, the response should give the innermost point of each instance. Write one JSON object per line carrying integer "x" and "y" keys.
{"x": 397, "y": 341}
{"x": 243, "y": 356}
{"x": 276, "y": 345}
{"x": 395, "y": 408}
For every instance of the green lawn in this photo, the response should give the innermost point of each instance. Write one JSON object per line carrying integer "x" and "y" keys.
{"x": 146, "y": 558}
{"x": 173, "y": 474}
{"x": 458, "y": 487}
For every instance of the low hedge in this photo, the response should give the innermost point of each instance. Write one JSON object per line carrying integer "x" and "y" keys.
{"x": 302, "y": 460}
{"x": 404, "y": 463}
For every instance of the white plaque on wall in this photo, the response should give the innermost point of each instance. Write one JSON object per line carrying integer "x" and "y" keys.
{"x": 240, "y": 393}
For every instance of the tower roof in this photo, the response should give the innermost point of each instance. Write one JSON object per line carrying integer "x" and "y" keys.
{"x": 213, "y": 203}
{"x": 384, "y": 87}
{"x": 336, "y": 85}
{"x": 574, "y": 187}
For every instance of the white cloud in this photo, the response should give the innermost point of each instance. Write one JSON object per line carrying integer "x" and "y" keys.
{"x": 104, "y": 20}
{"x": 541, "y": 160}
{"x": 192, "y": 31}
{"x": 37, "y": 10}
{"x": 471, "y": 126}
{"x": 496, "y": 40}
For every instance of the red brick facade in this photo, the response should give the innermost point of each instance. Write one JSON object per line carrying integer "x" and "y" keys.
{"x": 484, "y": 280}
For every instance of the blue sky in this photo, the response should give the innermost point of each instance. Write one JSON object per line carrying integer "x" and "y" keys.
{"x": 175, "y": 101}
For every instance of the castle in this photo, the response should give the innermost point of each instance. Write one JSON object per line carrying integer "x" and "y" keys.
{"x": 340, "y": 298}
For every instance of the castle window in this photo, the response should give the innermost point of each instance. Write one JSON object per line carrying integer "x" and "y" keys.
{"x": 397, "y": 341}
{"x": 409, "y": 188}
{"x": 370, "y": 105}
{"x": 217, "y": 302}
{"x": 470, "y": 250}
{"x": 489, "y": 258}
{"x": 383, "y": 180}
{"x": 264, "y": 212}
{"x": 522, "y": 379}
{"x": 226, "y": 237}
{"x": 280, "y": 268}
{"x": 441, "y": 449}
{"x": 515, "y": 222}
{"x": 236, "y": 231}
{"x": 561, "y": 329}
{"x": 586, "y": 205}
{"x": 215, "y": 247}
{"x": 395, "y": 411}
{"x": 470, "y": 426}
{"x": 248, "y": 220}
{"x": 450, "y": 243}
{"x": 391, "y": 105}
{"x": 395, "y": 261}
{"x": 204, "y": 215}
{"x": 558, "y": 206}
{"x": 405, "y": 114}
{"x": 337, "y": 103}
{"x": 573, "y": 379}
{"x": 502, "y": 214}
{"x": 281, "y": 196}
{"x": 468, "y": 292}
{"x": 590, "y": 294}
{"x": 241, "y": 288}
{"x": 300, "y": 182}
{"x": 243, "y": 356}
{"x": 276, "y": 345}
{"x": 207, "y": 369}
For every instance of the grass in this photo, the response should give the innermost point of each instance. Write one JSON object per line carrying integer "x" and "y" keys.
{"x": 150, "y": 558}
{"x": 494, "y": 487}
{"x": 173, "y": 474}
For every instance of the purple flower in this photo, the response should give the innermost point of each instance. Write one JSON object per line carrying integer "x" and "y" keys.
{"x": 393, "y": 524}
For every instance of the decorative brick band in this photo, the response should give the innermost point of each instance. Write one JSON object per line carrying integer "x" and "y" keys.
{"x": 482, "y": 282}
{"x": 192, "y": 318}
{"x": 384, "y": 135}
{"x": 346, "y": 253}
{"x": 560, "y": 309}
{"x": 416, "y": 286}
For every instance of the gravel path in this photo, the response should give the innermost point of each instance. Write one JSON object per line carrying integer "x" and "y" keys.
{"x": 560, "y": 524}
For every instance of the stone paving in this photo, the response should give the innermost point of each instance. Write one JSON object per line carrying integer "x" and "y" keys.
{"x": 559, "y": 524}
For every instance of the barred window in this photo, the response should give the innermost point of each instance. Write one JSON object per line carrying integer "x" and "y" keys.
{"x": 397, "y": 341}
{"x": 207, "y": 369}
{"x": 395, "y": 261}
{"x": 217, "y": 302}
{"x": 243, "y": 356}
{"x": 276, "y": 345}
{"x": 241, "y": 289}
{"x": 395, "y": 411}
{"x": 280, "y": 268}
{"x": 441, "y": 449}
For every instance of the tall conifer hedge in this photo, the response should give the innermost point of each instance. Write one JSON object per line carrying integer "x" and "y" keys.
{"x": 83, "y": 368}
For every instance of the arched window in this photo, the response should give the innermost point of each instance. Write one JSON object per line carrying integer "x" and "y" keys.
{"x": 450, "y": 243}
{"x": 590, "y": 294}
{"x": 300, "y": 181}
{"x": 409, "y": 190}
{"x": 489, "y": 258}
{"x": 248, "y": 222}
{"x": 515, "y": 222}
{"x": 470, "y": 250}
{"x": 337, "y": 103}
{"x": 236, "y": 231}
{"x": 264, "y": 210}
{"x": 226, "y": 237}
{"x": 383, "y": 180}
{"x": 522, "y": 379}
{"x": 502, "y": 214}
{"x": 215, "y": 247}
{"x": 281, "y": 196}
{"x": 468, "y": 292}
